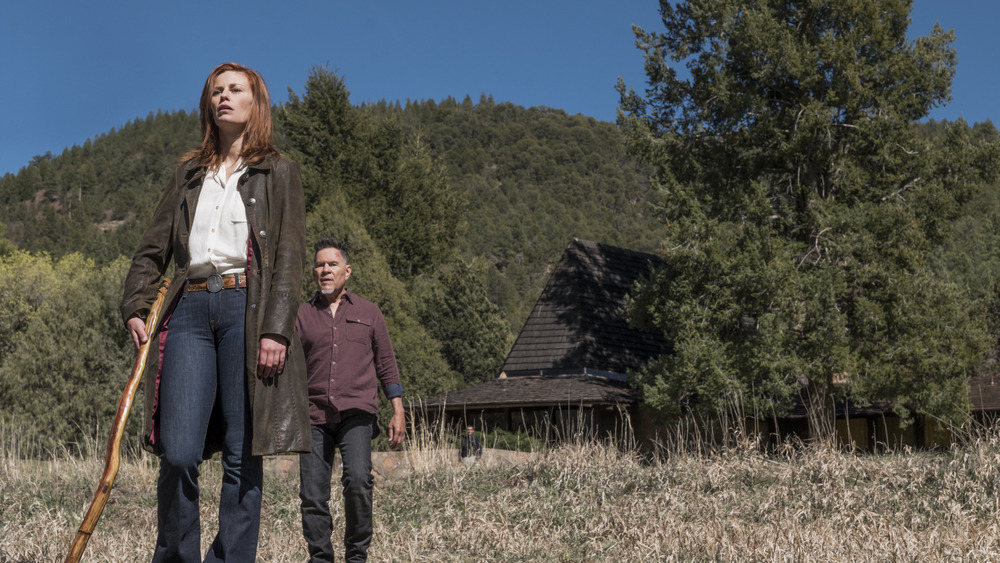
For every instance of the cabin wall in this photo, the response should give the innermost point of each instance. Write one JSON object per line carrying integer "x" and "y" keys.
{"x": 642, "y": 426}
{"x": 551, "y": 424}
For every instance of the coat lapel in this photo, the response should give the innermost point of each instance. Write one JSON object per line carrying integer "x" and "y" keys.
{"x": 192, "y": 189}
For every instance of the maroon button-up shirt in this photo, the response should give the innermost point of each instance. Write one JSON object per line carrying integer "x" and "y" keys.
{"x": 346, "y": 357}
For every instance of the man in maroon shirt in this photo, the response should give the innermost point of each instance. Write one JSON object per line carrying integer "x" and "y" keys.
{"x": 348, "y": 353}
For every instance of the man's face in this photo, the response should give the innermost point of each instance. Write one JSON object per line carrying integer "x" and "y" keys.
{"x": 330, "y": 272}
{"x": 469, "y": 431}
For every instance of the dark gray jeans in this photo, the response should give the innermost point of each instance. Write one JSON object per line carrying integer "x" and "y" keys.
{"x": 353, "y": 436}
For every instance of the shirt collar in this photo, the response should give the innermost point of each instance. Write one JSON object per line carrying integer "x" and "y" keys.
{"x": 319, "y": 300}
{"x": 217, "y": 175}
{"x": 194, "y": 171}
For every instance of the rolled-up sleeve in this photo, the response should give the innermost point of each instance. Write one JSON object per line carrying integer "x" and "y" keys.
{"x": 385, "y": 359}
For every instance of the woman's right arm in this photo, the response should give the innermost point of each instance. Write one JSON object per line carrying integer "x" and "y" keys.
{"x": 150, "y": 261}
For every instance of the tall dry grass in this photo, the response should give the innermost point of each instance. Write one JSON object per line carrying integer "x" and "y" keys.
{"x": 586, "y": 501}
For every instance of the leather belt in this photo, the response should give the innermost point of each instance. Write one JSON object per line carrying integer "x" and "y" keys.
{"x": 216, "y": 283}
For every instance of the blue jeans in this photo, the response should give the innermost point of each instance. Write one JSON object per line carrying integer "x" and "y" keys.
{"x": 203, "y": 378}
{"x": 353, "y": 436}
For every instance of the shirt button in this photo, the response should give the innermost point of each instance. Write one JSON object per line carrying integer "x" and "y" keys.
{"x": 263, "y": 234}
{"x": 252, "y": 201}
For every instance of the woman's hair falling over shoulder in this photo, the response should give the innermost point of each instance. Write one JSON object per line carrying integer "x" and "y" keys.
{"x": 258, "y": 138}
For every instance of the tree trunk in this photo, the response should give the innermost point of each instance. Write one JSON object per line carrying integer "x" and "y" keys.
{"x": 821, "y": 411}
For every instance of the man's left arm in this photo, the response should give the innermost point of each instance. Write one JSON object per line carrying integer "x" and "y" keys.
{"x": 388, "y": 375}
{"x": 397, "y": 424}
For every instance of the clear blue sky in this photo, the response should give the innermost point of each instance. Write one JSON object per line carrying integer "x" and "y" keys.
{"x": 72, "y": 70}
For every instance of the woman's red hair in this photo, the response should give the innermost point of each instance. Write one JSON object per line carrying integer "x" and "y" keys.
{"x": 258, "y": 138}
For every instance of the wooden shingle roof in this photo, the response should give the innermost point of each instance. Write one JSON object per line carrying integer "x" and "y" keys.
{"x": 578, "y": 323}
{"x": 576, "y": 347}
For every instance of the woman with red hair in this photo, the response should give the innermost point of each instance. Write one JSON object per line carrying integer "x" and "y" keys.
{"x": 230, "y": 373}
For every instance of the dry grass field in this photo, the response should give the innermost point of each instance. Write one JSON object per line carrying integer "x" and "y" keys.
{"x": 583, "y": 502}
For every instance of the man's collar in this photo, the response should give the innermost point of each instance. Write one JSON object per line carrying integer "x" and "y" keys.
{"x": 319, "y": 300}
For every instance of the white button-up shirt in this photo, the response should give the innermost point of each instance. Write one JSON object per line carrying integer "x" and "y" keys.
{"x": 219, "y": 232}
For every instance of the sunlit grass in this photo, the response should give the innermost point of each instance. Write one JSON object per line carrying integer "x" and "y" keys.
{"x": 586, "y": 501}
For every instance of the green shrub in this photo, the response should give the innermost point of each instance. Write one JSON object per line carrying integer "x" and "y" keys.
{"x": 516, "y": 441}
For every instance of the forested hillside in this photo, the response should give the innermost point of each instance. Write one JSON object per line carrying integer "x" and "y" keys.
{"x": 532, "y": 180}
{"x": 521, "y": 182}
{"x": 95, "y": 199}
{"x": 455, "y": 212}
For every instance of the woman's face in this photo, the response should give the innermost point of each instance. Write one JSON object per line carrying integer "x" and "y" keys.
{"x": 232, "y": 101}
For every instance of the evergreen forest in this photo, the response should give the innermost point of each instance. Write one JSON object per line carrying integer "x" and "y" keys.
{"x": 455, "y": 211}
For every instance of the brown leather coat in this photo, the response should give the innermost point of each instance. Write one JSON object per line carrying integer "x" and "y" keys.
{"x": 275, "y": 207}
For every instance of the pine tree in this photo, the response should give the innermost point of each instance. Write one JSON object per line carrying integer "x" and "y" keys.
{"x": 456, "y": 310}
{"x": 801, "y": 205}
{"x": 400, "y": 191}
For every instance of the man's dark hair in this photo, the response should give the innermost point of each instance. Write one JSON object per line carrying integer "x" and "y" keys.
{"x": 332, "y": 242}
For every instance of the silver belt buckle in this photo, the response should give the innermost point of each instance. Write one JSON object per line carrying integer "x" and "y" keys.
{"x": 214, "y": 283}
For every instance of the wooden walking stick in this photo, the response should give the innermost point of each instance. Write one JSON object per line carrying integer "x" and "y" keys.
{"x": 114, "y": 454}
